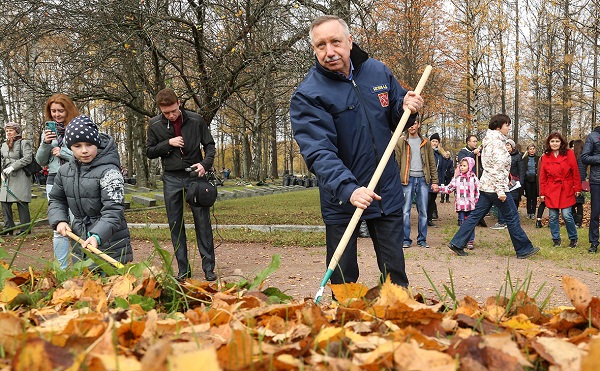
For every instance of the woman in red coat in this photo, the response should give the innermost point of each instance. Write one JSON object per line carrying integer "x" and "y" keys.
{"x": 559, "y": 185}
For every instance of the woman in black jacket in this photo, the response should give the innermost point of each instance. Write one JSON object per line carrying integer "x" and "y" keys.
{"x": 530, "y": 185}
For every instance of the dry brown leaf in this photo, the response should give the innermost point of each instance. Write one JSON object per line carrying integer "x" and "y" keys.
{"x": 238, "y": 353}
{"x": 409, "y": 356}
{"x": 468, "y": 306}
{"x": 577, "y": 292}
{"x": 38, "y": 354}
{"x": 565, "y": 320}
{"x": 205, "y": 359}
{"x": 380, "y": 358}
{"x": 593, "y": 311}
{"x": 287, "y": 362}
{"x": 65, "y": 295}
{"x": 122, "y": 286}
{"x": 101, "y": 362}
{"x": 591, "y": 362}
{"x": 504, "y": 343}
{"x": 391, "y": 294}
{"x": 346, "y": 291}
{"x": 314, "y": 317}
{"x": 559, "y": 352}
{"x": 129, "y": 333}
{"x": 157, "y": 356}
{"x": 94, "y": 294}
{"x": 11, "y": 331}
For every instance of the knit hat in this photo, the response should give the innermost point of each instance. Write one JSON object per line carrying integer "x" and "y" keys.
{"x": 82, "y": 129}
{"x": 13, "y": 125}
{"x": 434, "y": 136}
{"x": 512, "y": 143}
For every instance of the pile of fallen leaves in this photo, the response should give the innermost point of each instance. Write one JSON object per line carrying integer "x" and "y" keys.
{"x": 113, "y": 324}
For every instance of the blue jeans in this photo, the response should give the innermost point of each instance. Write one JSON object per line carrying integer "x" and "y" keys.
{"x": 514, "y": 195}
{"x": 419, "y": 187}
{"x": 520, "y": 241}
{"x": 462, "y": 216}
{"x": 595, "y": 214}
{"x": 385, "y": 232}
{"x": 59, "y": 242}
{"x": 569, "y": 223}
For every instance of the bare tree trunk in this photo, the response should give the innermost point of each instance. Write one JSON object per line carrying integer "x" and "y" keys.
{"x": 517, "y": 70}
{"x": 273, "y": 147}
{"x": 566, "y": 70}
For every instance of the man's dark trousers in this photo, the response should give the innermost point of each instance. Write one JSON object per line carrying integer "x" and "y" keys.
{"x": 387, "y": 236}
{"x": 174, "y": 189}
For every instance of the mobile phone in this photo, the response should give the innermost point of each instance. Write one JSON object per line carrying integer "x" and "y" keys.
{"x": 51, "y": 125}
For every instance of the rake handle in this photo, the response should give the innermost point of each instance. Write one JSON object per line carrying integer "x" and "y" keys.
{"x": 94, "y": 250}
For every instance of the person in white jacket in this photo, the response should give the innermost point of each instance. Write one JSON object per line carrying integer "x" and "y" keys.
{"x": 493, "y": 189}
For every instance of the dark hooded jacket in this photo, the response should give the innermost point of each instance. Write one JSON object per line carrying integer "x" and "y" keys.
{"x": 94, "y": 193}
{"x": 343, "y": 128}
{"x": 590, "y": 155}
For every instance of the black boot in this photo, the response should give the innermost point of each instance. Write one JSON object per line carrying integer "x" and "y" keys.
{"x": 538, "y": 223}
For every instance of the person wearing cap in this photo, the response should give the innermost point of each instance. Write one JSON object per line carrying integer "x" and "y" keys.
{"x": 444, "y": 166}
{"x": 177, "y": 137}
{"x": 15, "y": 154}
{"x": 91, "y": 186}
{"x": 418, "y": 174}
{"x": 516, "y": 174}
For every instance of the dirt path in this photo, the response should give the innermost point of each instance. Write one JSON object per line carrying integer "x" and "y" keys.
{"x": 480, "y": 275}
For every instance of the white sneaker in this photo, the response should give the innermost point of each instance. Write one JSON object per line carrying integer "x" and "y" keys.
{"x": 498, "y": 226}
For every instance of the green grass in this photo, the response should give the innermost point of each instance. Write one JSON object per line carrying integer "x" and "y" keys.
{"x": 300, "y": 207}
{"x": 278, "y": 238}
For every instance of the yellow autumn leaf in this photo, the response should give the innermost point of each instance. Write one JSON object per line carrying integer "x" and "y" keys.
{"x": 591, "y": 362}
{"x": 205, "y": 359}
{"x": 391, "y": 294}
{"x": 345, "y": 291}
{"x": 9, "y": 293}
{"x": 328, "y": 335}
{"x": 122, "y": 286}
{"x": 523, "y": 325}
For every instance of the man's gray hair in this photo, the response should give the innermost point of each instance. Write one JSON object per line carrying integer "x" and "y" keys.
{"x": 326, "y": 18}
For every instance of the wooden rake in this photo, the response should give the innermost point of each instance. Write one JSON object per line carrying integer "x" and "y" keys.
{"x": 94, "y": 250}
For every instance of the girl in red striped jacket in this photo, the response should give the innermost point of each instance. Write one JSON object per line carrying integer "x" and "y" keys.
{"x": 466, "y": 185}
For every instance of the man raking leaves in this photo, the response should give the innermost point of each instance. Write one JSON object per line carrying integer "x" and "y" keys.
{"x": 343, "y": 115}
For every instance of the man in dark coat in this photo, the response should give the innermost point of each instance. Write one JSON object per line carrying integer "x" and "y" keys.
{"x": 176, "y": 137}
{"x": 591, "y": 156}
{"x": 343, "y": 115}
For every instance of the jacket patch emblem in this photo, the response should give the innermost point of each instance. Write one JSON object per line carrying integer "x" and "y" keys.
{"x": 384, "y": 99}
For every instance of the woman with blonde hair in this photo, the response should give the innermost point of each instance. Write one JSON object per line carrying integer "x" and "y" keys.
{"x": 53, "y": 152}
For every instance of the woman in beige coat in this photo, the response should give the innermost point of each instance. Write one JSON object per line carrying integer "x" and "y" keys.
{"x": 15, "y": 153}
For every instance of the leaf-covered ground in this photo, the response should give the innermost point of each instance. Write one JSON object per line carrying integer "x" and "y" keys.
{"x": 151, "y": 322}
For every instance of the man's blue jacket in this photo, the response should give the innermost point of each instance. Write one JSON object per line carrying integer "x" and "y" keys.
{"x": 343, "y": 127}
